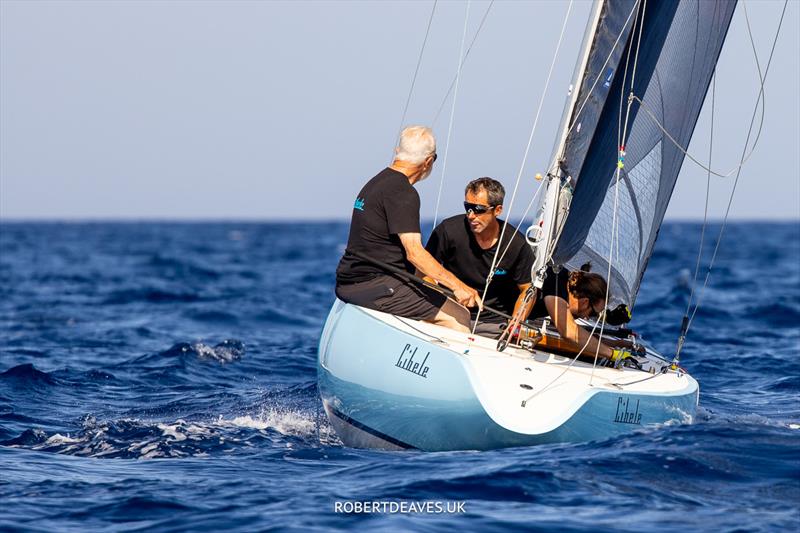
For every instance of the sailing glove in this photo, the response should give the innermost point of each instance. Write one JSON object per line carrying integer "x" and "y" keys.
{"x": 618, "y": 356}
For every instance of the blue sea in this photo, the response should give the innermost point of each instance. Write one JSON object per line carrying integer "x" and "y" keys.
{"x": 162, "y": 377}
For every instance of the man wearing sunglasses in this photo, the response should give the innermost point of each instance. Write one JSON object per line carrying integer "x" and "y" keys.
{"x": 466, "y": 245}
{"x": 385, "y": 228}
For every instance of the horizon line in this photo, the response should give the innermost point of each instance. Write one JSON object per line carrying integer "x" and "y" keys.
{"x": 321, "y": 220}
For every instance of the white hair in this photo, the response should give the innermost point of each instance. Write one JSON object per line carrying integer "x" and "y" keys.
{"x": 416, "y": 144}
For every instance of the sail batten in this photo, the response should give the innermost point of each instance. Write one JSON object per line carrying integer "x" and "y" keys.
{"x": 679, "y": 48}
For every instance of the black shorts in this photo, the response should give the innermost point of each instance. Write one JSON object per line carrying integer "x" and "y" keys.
{"x": 490, "y": 329}
{"x": 395, "y": 296}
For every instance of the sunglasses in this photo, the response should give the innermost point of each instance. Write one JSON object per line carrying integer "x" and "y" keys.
{"x": 434, "y": 157}
{"x": 478, "y": 209}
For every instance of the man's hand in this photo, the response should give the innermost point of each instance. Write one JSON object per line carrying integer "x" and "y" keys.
{"x": 430, "y": 267}
{"x": 467, "y": 296}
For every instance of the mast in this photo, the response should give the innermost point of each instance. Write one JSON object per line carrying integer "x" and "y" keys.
{"x": 662, "y": 53}
{"x": 554, "y": 203}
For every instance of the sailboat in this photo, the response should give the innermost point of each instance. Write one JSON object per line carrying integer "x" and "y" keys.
{"x": 394, "y": 383}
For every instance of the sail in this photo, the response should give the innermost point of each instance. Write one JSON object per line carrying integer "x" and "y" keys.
{"x": 678, "y": 49}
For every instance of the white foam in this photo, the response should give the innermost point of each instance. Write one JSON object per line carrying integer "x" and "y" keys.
{"x": 220, "y": 353}
{"x": 172, "y": 431}
{"x": 286, "y": 422}
{"x": 61, "y": 439}
{"x": 163, "y": 439}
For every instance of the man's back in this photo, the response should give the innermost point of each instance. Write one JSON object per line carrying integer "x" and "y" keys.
{"x": 386, "y": 206}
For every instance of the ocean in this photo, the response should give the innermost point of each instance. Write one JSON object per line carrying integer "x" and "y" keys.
{"x": 162, "y": 377}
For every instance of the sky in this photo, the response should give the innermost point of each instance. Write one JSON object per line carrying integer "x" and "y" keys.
{"x": 283, "y": 110}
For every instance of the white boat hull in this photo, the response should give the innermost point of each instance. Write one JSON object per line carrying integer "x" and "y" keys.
{"x": 394, "y": 383}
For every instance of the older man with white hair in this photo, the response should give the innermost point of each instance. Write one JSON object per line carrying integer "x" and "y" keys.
{"x": 385, "y": 227}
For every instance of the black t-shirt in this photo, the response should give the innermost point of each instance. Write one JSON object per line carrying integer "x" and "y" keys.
{"x": 453, "y": 244}
{"x": 385, "y": 206}
{"x": 554, "y": 285}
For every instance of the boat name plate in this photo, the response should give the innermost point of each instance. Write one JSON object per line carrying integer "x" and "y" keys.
{"x": 624, "y": 415}
{"x": 409, "y": 364}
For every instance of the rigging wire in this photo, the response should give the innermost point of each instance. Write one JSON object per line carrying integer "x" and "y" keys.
{"x": 575, "y": 121}
{"x": 745, "y": 156}
{"x": 708, "y": 194}
{"x": 495, "y": 261}
{"x": 466, "y": 55}
{"x": 416, "y": 71}
{"x": 685, "y": 320}
{"x": 600, "y": 72}
{"x": 621, "y": 139}
{"x": 452, "y": 113}
{"x": 552, "y": 168}
{"x": 744, "y": 150}
{"x": 761, "y": 100}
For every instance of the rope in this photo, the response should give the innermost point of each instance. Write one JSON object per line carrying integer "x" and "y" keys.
{"x": 708, "y": 193}
{"x": 683, "y": 150}
{"x": 648, "y": 378}
{"x": 621, "y": 137}
{"x": 600, "y": 72}
{"x": 416, "y": 71}
{"x": 586, "y": 99}
{"x": 685, "y": 319}
{"x": 452, "y": 114}
{"x": 495, "y": 261}
{"x": 434, "y": 337}
{"x": 747, "y": 141}
{"x": 466, "y": 54}
{"x": 760, "y": 99}
{"x": 551, "y": 170}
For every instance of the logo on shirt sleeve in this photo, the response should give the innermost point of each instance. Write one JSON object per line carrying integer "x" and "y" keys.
{"x": 359, "y": 204}
{"x": 500, "y": 272}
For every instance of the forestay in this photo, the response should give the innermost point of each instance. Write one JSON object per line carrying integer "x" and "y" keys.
{"x": 678, "y": 50}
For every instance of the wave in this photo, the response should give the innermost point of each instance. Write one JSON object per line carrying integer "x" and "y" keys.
{"x": 26, "y": 373}
{"x": 181, "y": 268}
{"x": 226, "y": 351}
{"x": 213, "y": 316}
{"x": 183, "y": 353}
{"x": 150, "y": 295}
{"x": 132, "y": 438}
{"x": 274, "y": 316}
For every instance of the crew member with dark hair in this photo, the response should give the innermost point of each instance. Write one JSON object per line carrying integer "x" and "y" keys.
{"x": 467, "y": 244}
{"x": 569, "y": 295}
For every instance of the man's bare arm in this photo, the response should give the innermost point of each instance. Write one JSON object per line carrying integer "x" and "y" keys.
{"x": 427, "y": 265}
{"x": 520, "y": 300}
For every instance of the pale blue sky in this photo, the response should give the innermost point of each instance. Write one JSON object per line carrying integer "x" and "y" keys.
{"x": 276, "y": 110}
